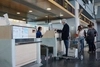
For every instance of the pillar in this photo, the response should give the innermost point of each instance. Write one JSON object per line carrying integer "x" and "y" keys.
{"x": 77, "y": 20}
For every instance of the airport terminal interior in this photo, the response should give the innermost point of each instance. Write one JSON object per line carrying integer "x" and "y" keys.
{"x": 49, "y": 33}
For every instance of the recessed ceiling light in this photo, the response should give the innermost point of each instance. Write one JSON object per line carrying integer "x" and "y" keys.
{"x": 46, "y": 16}
{"x": 18, "y": 12}
{"x": 48, "y": 8}
{"x": 30, "y": 11}
{"x": 23, "y": 19}
{"x": 35, "y": 17}
{"x": 61, "y": 15}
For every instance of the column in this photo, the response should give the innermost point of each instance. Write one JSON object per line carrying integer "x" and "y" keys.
{"x": 77, "y": 20}
{"x": 38, "y": 51}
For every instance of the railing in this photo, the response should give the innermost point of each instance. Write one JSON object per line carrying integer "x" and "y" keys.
{"x": 85, "y": 19}
{"x": 66, "y": 5}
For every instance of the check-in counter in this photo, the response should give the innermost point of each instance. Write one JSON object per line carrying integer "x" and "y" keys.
{"x": 50, "y": 39}
{"x": 17, "y": 46}
{"x": 25, "y": 51}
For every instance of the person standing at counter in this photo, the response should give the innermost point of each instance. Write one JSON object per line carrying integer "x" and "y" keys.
{"x": 65, "y": 34}
{"x": 38, "y": 33}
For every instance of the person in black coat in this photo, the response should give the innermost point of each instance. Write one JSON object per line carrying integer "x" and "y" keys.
{"x": 65, "y": 34}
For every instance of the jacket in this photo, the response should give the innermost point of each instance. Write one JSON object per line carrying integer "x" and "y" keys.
{"x": 65, "y": 32}
{"x": 38, "y": 34}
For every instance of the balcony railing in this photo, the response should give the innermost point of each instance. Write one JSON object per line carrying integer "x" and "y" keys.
{"x": 66, "y": 5}
{"x": 85, "y": 19}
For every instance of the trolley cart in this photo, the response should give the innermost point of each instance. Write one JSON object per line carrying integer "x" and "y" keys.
{"x": 73, "y": 50}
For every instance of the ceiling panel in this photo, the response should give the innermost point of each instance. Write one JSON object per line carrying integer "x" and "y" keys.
{"x": 42, "y": 5}
{"x": 11, "y": 7}
{"x": 37, "y": 6}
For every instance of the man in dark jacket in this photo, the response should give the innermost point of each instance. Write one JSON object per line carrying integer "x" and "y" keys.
{"x": 65, "y": 34}
{"x": 91, "y": 33}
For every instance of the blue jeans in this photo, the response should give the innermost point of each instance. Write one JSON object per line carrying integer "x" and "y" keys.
{"x": 66, "y": 42}
{"x": 81, "y": 40}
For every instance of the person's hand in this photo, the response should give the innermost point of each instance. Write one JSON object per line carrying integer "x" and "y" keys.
{"x": 55, "y": 29}
{"x": 76, "y": 35}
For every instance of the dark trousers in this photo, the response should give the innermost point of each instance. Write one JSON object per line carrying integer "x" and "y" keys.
{"x": 66, "y": 42}
{"x": 91, "y": 45}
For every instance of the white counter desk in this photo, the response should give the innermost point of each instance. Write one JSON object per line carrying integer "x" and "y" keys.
{"x": 16, "y": 46}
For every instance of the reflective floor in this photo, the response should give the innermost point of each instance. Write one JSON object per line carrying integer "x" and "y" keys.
{"x": 88, "y": 61}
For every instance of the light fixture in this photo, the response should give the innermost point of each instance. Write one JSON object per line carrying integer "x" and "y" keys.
{"x": 18, "y": 12}
{"x": 30, "y": 11}
{"x": 35, "y": 17}
{"x": 46, "y": 16}
{"x": 48, "y": 8}
{"x": 23, "y": 19}
{"x": 61, "y": 15}
{"x": 89, "y": 1}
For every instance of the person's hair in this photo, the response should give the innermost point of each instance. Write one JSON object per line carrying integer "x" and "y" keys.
{"x": 92, "y": 24}
{"x": 79, "y": 28}
{"x": 89, "y": 25}
{"x": 39, "y": 28}
{"x": 64, "y": 20}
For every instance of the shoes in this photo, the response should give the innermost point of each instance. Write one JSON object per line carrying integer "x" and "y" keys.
{"x": 89, "y": 51}
{"x": 93, "y": 51}
{"x": 64, "y": 55}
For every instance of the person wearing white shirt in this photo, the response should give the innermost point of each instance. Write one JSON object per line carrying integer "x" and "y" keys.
{"x": 80, "y": 36}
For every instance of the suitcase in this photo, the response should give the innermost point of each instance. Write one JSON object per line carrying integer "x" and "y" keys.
{"x": 73, "y": 52}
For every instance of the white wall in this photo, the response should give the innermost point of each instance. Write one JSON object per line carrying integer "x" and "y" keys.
{"x": 16, "y": 22}
{"x": 98, "y": 12}
{"x": 11, "y": 21}
{"x": 41, "y": 24}
{"x": 70, "y": 22}
{"x": 32, "y": 23}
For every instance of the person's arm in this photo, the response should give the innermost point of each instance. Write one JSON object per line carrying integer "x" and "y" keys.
{"x": 77, "y": 34}
{"x": 95, "y": 32}
{"x": 84, "y": 33}
{"x": 41, "y": 34}
{"x": 59, "y": 31}
{"x": 88, "y": 33}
